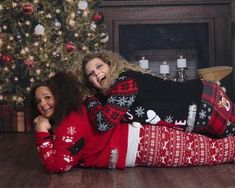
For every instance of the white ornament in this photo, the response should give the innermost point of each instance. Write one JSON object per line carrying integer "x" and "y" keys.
{"x": 93, "y": 26}
{"x": 39, "y": 30}
{"x": 104, "y": 38}
{"x": 57, "y": 25}
{"x": 82, "y": 4}
{"x": 49, "y": 16}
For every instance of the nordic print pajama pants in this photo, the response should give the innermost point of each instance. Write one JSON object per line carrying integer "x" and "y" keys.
{"x": 166, "y": 147}
{"x": 216, "y": 117}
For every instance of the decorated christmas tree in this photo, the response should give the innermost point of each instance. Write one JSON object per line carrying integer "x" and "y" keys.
{"x": 38, "y": 38}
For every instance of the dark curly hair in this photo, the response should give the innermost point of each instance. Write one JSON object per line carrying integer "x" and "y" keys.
{"x": 65, "y": 88}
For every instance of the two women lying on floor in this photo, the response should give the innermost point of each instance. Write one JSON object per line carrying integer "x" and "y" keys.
{"x": 65, "y": 137}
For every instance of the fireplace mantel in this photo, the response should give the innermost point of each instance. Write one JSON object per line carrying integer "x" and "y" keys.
{"x": 217, "y": 14}
{"x": 161, "y": 2}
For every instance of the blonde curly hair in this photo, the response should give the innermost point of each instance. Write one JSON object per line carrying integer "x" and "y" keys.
{"x": 117, "y": 65}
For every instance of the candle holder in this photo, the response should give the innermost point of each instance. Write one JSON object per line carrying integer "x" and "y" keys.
{"x": 164, "y": 71}
{"x": 181, "y": 70}
{"x": 144, "y": 63}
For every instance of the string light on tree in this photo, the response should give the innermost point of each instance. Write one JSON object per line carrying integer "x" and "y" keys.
{"x": 38, "y": 38}
{"x": 57, "y": 25}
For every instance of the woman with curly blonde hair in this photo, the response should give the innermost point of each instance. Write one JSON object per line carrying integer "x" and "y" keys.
{"x": 117, "y": 65}
{"x": 118, "y": 91}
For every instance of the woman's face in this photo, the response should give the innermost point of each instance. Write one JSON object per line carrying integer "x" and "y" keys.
{"x": 45, "y": 101}
{"x": 97, "y": 72}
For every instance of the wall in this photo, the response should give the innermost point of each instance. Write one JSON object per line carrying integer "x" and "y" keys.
{"x": 217, "y": 13}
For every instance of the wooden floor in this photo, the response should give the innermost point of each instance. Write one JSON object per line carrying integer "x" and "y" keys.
{"x": 20, "y": 167}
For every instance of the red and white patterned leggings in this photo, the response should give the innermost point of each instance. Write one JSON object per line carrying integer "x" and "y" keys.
{"x": 166, "y": 147}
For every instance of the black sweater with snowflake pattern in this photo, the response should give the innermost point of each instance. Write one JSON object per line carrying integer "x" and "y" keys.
{"x": 143, "y": 98}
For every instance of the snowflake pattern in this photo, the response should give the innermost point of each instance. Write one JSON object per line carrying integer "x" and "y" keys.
{"x": 92, "y": 104}
{"x": 121, "y": 101}
{"x": 139, "y": 111}
{"x": 71, "y": 130}
{"x": 230, "y": 131}
{"x": 204, "y": 114}
{"x": 103, "y": 126}
{"x": 131, "y": 100}
{"x": 99, "y": 116}
{"x": 169, "y": 119}
{"x": 112, "y": 100}
{"x": 122, "y": 78}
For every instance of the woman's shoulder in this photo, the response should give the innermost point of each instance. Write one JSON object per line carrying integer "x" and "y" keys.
{"x": 75, "y": 118}
{"x": 129, "y": 74}
{"x": 81, "y": 113}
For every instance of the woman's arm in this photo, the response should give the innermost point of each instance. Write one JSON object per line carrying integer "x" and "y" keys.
{"x": 41, "y": 124}
{"x": 120, "y": 97}
{"x": 60, "y": 152}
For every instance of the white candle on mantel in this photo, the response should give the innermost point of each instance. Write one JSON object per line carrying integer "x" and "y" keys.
{"x": 181, "y": 62}
{"x": 144, "y": 63}
{"x": 164, "y": 68}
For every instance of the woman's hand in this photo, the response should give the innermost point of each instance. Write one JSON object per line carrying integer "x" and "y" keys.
{"x": 87, "y": 96}
{"x": 41, "y": 124}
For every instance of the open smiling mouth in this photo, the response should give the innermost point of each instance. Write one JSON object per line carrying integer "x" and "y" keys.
{"x": 101, "y": 79}
{"x": 46, "y": 110}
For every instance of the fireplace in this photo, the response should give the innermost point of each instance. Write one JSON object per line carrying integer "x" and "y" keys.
{"x": 166, "y": 42}
{"x": 163, "y": 30}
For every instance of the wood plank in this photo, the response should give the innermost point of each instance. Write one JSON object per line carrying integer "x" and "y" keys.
{"x": 21, "y": 167}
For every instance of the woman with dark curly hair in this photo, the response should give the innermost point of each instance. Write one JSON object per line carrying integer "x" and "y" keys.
{"x": 56, "y": 112}
{"x": 119, "y": 91}
{"x": 68, "y": 99}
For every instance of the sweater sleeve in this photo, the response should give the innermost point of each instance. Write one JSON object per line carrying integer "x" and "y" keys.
{"x": 61, "y": 151}
{"x": 120, "y": 97}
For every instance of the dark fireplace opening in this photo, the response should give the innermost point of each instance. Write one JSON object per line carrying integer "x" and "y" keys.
{"x": 166, "y": 42}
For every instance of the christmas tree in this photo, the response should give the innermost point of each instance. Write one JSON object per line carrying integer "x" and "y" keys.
{"x": 38, "y": 38}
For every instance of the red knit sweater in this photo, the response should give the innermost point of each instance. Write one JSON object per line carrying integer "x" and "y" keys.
{"x": 74, "y": 142}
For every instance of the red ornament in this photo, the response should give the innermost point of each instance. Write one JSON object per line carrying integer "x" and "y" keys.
{"x": 98, "y": 18}
{"x": 70, "y": 47}
{"x": 29, "y": 62}
{"x": 28, "y": 8}
{"x": 7, "y": 58}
